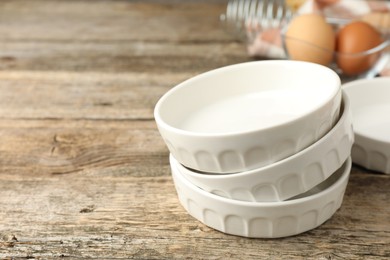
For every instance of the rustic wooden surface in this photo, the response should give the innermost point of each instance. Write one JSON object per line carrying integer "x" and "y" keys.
{"x": 83, "y": 170}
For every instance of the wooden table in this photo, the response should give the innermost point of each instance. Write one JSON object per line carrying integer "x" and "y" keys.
{"x": 83, "y": 170}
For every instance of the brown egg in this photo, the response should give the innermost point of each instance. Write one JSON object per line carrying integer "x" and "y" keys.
{"x": 352, "y": 41}
{"x": 310, "y": 38}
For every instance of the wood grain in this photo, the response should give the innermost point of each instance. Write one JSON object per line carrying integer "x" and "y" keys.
{"x": 84, "y": 173}
{"x": 74, "y": 95}
{"x": 115, "y": 36}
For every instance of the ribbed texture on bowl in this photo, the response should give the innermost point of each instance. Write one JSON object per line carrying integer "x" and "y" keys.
{"x": 371, "y": 154}
{"x": 288, "y": 177}
{"x": 261, "y": 220}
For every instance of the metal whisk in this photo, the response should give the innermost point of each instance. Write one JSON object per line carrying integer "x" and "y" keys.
{"x": 246, "y": 16}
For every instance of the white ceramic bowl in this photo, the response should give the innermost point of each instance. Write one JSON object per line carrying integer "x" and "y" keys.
{"x": 248, "y": 115}
{"x": 288, "y": 177}
{"x": 370, "y": 106}
{"x": 264, "y": 219}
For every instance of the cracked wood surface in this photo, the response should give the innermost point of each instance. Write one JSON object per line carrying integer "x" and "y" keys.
{"x": 84, "y": 173}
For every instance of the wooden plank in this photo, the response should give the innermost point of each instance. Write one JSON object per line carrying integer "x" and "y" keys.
{"x": 119, "y": 57}
{"x": 115, "y": 36}
{"x": 67, "y": 95}
{"x": 54, "y": 147}
{"x": 92, "y": 214}
{"x": 76, "y": 20}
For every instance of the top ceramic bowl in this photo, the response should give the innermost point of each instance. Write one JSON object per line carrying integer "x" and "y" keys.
{"x": 248, "y": 115}
{"x": 370, "y": 106}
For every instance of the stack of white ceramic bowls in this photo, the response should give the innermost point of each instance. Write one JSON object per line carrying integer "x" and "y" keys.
{"x": 259, "y": 149}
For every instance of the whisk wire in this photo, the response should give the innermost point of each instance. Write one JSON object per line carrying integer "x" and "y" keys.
{"x": 257, "y": 14}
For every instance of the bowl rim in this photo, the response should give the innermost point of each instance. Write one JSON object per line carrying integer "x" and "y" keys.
{"x": 347, "y": 166}
{"x": 291, "y": 63}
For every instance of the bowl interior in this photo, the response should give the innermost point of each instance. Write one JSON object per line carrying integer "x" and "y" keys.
{"x": 246, "y": 97}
